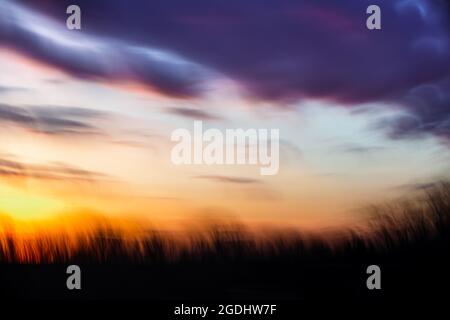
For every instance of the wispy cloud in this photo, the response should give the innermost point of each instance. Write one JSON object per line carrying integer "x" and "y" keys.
{"x": 423, "y": 186}
{"x": 53, "y": 120}
{"x": 12, "y": 168}
{"x": 9, "y": 89}
{"x": 196, "y": 114}
{"x": 226, "y": 179}
{"x": 359, "y": 149}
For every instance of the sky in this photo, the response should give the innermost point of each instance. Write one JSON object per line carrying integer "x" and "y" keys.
{"x": 86, "y": 115}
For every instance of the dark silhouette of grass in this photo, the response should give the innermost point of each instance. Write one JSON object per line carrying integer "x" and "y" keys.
{"x": 408, "y": 239}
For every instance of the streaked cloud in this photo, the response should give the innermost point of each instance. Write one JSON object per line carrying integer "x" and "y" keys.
{"x": 12, "y": 168}
{"x": 419, "y": 186}
{"x": 196, "y": 114}
{"x": 9, "y": 89}
{"x": 274, "y": 51}
{"x": 226, "y": 179}
{"x": 53, "y": 120}
{"x": 359, "y": 149}
{"x": 96, "y": 58}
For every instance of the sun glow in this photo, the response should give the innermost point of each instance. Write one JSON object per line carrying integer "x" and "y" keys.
{"x": 27, "y": 204}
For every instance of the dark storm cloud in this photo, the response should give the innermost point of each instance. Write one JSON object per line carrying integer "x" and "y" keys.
{"x": 278, "y": 50}
{"x": 51, "y": 120}
{"x": 93, "y": 58}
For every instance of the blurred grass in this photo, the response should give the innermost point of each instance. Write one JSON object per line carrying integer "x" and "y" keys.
{"x": 416, "y": 228}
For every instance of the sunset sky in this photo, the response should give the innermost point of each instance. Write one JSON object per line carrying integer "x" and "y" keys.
{"x": 86, "y": 116}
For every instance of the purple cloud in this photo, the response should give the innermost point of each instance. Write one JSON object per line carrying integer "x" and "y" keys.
{"x": 96, "y": 58}
{"x": 281, "y": 51}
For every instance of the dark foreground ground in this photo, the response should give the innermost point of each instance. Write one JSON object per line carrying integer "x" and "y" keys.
{"x": 409, "y": 241}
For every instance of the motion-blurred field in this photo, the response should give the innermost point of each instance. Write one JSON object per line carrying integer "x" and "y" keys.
{"x": 409, "y": 240}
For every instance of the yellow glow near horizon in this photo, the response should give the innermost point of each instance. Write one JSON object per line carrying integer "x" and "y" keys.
{"x": 27, "y": 205}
